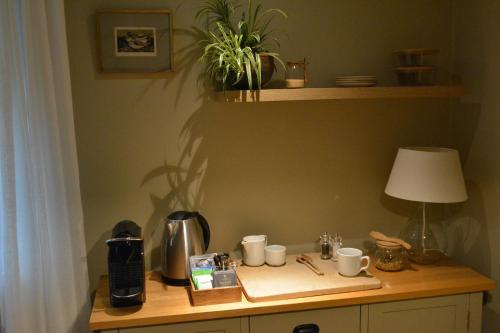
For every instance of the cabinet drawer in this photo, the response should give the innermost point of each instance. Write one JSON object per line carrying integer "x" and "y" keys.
{"x": 232, "y": 325}
{"x": 337, "y": 320}
{"x": 430, "y": 315}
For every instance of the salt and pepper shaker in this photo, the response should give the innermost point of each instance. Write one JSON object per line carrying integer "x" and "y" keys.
{"x": 329, "y": 245}
{"x": 326, "y": 243}
{"x": 336, "y": 244}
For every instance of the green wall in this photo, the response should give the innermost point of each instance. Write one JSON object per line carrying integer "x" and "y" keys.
{"x": 291, "y": 170}
{"x": 476, "y": 130}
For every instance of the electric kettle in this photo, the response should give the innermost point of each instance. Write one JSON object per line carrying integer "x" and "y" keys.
{"x": 185, "y": 234}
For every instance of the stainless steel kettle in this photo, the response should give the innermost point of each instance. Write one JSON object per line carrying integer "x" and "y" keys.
{"x": 185, "y": 234}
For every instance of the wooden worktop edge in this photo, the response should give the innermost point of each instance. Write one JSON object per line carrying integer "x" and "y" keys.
{"x": 299, "y": 304}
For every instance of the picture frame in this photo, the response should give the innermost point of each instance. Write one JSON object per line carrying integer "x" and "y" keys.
{"x": 134, "y": 40}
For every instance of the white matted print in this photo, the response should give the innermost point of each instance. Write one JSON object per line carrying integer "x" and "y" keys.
{"x": 135, "y": 41}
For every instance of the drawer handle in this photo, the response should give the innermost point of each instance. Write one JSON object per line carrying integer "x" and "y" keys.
{"x": 306, "y": 328}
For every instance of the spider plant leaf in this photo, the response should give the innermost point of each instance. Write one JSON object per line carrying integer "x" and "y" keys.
{"x": 237, "y": 40}
{"x": 263, "y": 29}
{"x": 224, "y": 78}
{"x": 256, "y": 38}
{"x": 277, "y": 42}
{"x": 249, "y": 11}
{"x": 255, "y": 17}
{"x": 275, "y": 11}
{"x": 272, "y": 12}
{"x": 252, "y": 61}
{"x": 244, "y": 32}
{"x": 248, "y": 69}
{"x": 242, "y": 25}
{"x": 222, "y": 31}
{"x": 249, "y": 54}
{"x": 215, "y": 38}
{"x": 276, "y": 57}
{"x": 258, "y": 70}
{"x": 214, "y": 11}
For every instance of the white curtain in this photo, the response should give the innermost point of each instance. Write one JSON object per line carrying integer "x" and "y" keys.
{"x": 43, "y": 269}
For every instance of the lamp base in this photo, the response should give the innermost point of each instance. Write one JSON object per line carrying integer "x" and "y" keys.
{"x": 424, "y": 247}
{"x": 425, "y": 258}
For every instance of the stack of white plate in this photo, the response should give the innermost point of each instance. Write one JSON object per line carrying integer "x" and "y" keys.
{"x": 356, "y": 81}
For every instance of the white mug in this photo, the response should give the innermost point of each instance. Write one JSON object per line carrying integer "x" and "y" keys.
{"x": 275, "y": 255}
{"x": 253, "y": 250}
{"x": 349, "y": 261}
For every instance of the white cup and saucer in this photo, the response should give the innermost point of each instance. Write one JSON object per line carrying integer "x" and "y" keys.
{"x": 349, "y": 261}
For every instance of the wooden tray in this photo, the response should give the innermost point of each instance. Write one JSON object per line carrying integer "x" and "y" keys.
{"x": 292, "y": 280}
{"x": 215, "y": 295}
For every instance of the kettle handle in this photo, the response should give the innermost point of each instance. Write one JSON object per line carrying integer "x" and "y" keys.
{"x": 206, "y": 229}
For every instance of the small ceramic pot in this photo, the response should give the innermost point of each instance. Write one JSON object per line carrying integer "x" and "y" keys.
{"x": 275, "y": 255}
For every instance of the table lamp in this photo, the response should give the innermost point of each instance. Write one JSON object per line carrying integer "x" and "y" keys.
{"x": 425, "y": 175}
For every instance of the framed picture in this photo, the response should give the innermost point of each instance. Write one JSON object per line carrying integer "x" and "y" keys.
{"x": 134, "y": 41}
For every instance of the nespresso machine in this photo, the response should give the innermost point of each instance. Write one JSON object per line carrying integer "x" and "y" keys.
{"x": 126, "y": 265}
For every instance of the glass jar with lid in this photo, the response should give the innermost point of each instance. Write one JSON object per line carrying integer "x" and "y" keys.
{"x": 390, "y": 256}
{"x": 296, "y": 74}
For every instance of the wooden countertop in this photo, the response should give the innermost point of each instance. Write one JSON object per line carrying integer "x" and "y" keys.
{"x": 166, "y": 304}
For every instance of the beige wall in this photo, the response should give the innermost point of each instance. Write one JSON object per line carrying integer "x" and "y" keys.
{"x": 288, "y": 169}
{"x": 476, "y": 125}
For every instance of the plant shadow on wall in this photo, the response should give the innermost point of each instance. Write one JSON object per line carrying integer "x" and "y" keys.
{"x": 185, "y": 178}
{"x": 467, "y": 229}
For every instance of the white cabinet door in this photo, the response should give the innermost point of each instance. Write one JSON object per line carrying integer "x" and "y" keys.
{"x": 448, "y": 314}
{"x": 232, "y": 325}
{"x": 336, "y": 320}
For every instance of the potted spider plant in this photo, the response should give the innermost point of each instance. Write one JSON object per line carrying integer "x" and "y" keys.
{"x": 233, "y": 49}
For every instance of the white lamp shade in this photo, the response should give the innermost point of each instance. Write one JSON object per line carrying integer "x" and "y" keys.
{"x": 427, "y": 175}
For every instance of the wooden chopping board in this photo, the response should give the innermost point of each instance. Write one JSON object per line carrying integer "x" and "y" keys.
{"x": 292, "y": 280}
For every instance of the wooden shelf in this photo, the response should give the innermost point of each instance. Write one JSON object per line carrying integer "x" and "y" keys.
{"x": 308, "y": 94}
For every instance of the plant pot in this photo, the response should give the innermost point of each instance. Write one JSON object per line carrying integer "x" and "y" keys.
{"x": 267, "y": 70}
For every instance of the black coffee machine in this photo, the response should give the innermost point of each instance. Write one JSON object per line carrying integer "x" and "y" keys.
{"x": 126, "y": 265}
